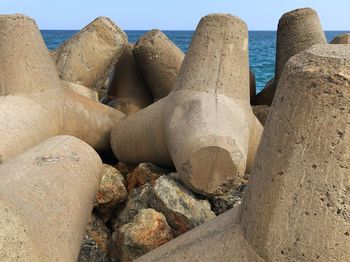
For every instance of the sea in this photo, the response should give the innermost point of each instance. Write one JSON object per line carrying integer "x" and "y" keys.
{"x": 262, "y": 47}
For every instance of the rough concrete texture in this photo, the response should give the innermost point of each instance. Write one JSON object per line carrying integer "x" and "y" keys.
{"x": 208, "y": 129}
{"x": 297, "y": 31}
{"x": 90, "y": 252}
{"x": 261, "y": 112}
{"x": 128, "y": 89}
{"x": 88, "y": 57}
{"x": 46, "y": 197}
{"x": 159, "y": 60}
{"x": 81, "y": 90}
{"x": 301, "y": 176}
{"x": 32, "y": 85}
{"x": 138, "y": 199}
{"x": 112, "y": 190}
{"x": 341, "y": 39}
{"x": 296, "y": 205}
{"x": 147, "y": 231}
{"x": 144, "y": 173}
{"x": 181, "y": 208}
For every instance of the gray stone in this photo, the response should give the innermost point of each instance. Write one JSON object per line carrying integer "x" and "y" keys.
{"x": 181, "y": 208}
{"x": 90, "y": 252}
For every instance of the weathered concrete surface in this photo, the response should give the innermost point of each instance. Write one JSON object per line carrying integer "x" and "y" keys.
{"x": 252, "y": 84}
{"x": 297, "y": 31}
{"x": 81, "y": 90}
{"x": 128, "y": 89}
{"x": 147, "y": 231}
{"x": 341, "y": 39}
{"x": 34, "y": 86}
{"x": 46, "y": 197}
{"x": 208, "y": 129}
{"x": 181, "y": 208}
{"x": 298, "y": 198}
{"x": 296, "y": 205}
{"x": 160, "y": 61}
{"x": 87, "y": 58}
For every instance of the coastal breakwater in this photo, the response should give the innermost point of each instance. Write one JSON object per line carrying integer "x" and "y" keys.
{"x": 182, "y": 141}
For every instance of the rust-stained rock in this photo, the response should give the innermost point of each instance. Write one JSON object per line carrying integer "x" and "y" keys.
{"x": 90, "y": 252}
{"x": 112, "y": 190}
{"x": 181, "y": 208}
{"x": 144, "y": 173}
{"x": 98, "y": 231}
{"x": 147, "y": 231}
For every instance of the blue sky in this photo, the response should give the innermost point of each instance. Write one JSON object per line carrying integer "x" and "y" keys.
{"x": 172, "y": 14}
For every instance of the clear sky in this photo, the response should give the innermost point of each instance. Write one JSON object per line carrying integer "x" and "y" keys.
{"x": 172, "y": 14}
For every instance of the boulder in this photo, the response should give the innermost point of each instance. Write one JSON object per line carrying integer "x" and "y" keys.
{"x": 144, "y": 173}
{"x": 111, "y": 191}
{"x": 147, "y": 231}
{"x": 81, "y": 90}
{"x": 138, "y": 199}
{"x": 181, "y": 208}
{"x": 88, "y": 57}
{"x": 265, "y": 96}
{"x": 209, "y": 160}
{"x": 46, "y": 198}
{"x": 341, "y": 39}
{"x": 37, "y": 89}
{"x": 97, "y": 230}
{"x": 261, "y": 112}
{"x": 159, "y": 60}
{"x": 90, "y": 252}
{"x": 128, "y": 89}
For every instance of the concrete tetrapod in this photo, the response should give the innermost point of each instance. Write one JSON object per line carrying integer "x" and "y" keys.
{"x": 297, "y": 31}
{"x": 296, "y": 205}
{"x": 46, "y": 197}
{"x": 159, "y": 60}
{"x": 128, "y": 89}
{"x": 88, "y": 57}
{"x": 33, "y": 104}
{"x": 205, "y": 126}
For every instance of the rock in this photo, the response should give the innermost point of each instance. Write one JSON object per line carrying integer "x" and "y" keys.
{"x": 88, "y": 57}
{"x": 112, "y": 190}
{"x": 125, "y": 168}
{"x": 144, "y": 173}
{"x": 81, "y": 90}
{"x": 341, "y": 39}
{"x": 147, "y": 231}
{"x": 181, "y": 208}
{"x": 261, "y": 112}
{"x": 98, "y": 231}
{"x": 90, "y": 252}
{"x": 138, "y": 199}
{"x": 128, "y": 89}
{"x": 182, "y": 128}
{"x": 159, "y": 60}
{"x": 221, "y": 204}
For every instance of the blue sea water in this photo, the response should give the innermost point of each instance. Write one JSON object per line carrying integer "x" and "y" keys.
{"x": 262, "y": 47}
